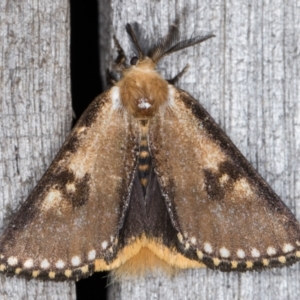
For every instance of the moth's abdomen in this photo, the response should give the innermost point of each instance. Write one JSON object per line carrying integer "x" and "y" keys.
{"x": 144, "y": 159}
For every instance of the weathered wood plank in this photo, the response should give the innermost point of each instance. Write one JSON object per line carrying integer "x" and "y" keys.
{"x": 35, "y": 113}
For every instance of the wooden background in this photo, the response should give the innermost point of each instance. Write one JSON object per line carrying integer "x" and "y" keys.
{"x": 35, "y": 113}
{"x": 247, "y": 77}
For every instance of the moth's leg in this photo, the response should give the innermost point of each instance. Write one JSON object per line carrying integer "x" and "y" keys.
{"x": 120, "y": 60}
{"x": 111, "y": 78}
{"x": 175, "y": 79}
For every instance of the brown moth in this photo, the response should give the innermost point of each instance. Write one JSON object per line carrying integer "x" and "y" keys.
{"x": 147, "y": 179}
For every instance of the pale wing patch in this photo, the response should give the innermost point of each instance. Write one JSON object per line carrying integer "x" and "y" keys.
{"x": 243, "y": 188}
{"x": 208, "y": 153}
{"x": 53, "y": 200}
{"x": 71, "y": 188}
{"x": 80, "y": 164}
{"x": 223, "y": 179}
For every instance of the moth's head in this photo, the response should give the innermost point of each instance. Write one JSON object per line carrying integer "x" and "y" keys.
{"x": 148, "y": 55}
{"x": 143, "y": 90}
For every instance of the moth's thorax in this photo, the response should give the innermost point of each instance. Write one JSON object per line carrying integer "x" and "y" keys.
{"x": 142, "y": 89}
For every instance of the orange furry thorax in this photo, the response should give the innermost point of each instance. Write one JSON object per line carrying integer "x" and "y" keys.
{"x": 142, "y": 89}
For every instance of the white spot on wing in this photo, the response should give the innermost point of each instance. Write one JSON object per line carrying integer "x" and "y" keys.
{"x": 287, "y": 248}
{"x": 255, "y": 253}
{"x": 240, "y": 253}
{"x": 92, "y": 255}
{"x": 193, "y": 240}
{"x": 12, "y": 261}
{"x": 271, "y": 251}
{"x": 28, "y": 263}
{"x": 75, "y": 261}
{"x": 60, "y": 264}
{"x": 71, "y": 188}
{"x": 104, "y": 245}
{"x": 45, "y": 264}
{"x": 224, "y": 252}
{"x": 224, "y": 178}
{"x": 242, "y": 187}
{"x": 208, "y": 248}
{"x": 115, "y": 97}
{"x": 78, "y": 167}
{"x": 52, "y": 199}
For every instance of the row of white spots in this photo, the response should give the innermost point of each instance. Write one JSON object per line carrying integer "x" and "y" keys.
{"x": 224, "y": 252}
{"x": 60, "y": 264}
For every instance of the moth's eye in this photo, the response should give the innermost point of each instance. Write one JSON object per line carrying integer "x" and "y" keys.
{"x": 134, "y": 60}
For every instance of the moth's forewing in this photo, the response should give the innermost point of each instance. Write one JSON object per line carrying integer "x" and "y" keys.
{"x": 69, "y": 224}
{"x": 224, "y": 211}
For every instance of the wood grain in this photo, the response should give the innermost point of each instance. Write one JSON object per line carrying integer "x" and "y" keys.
{"x": 35, "y": 113}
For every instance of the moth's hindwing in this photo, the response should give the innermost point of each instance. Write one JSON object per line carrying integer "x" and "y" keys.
{"x": 226, "y": 215}
{"x": 68, "y": 226}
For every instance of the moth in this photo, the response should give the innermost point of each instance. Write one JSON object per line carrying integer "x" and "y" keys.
{"x": 147, "y": 180}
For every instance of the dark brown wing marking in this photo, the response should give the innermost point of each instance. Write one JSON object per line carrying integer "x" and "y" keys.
{"x": 69, "y": 224}
{"x": 223, "y": 210}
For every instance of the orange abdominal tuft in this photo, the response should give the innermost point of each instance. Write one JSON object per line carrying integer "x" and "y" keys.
{"x": 148, "y": 255}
